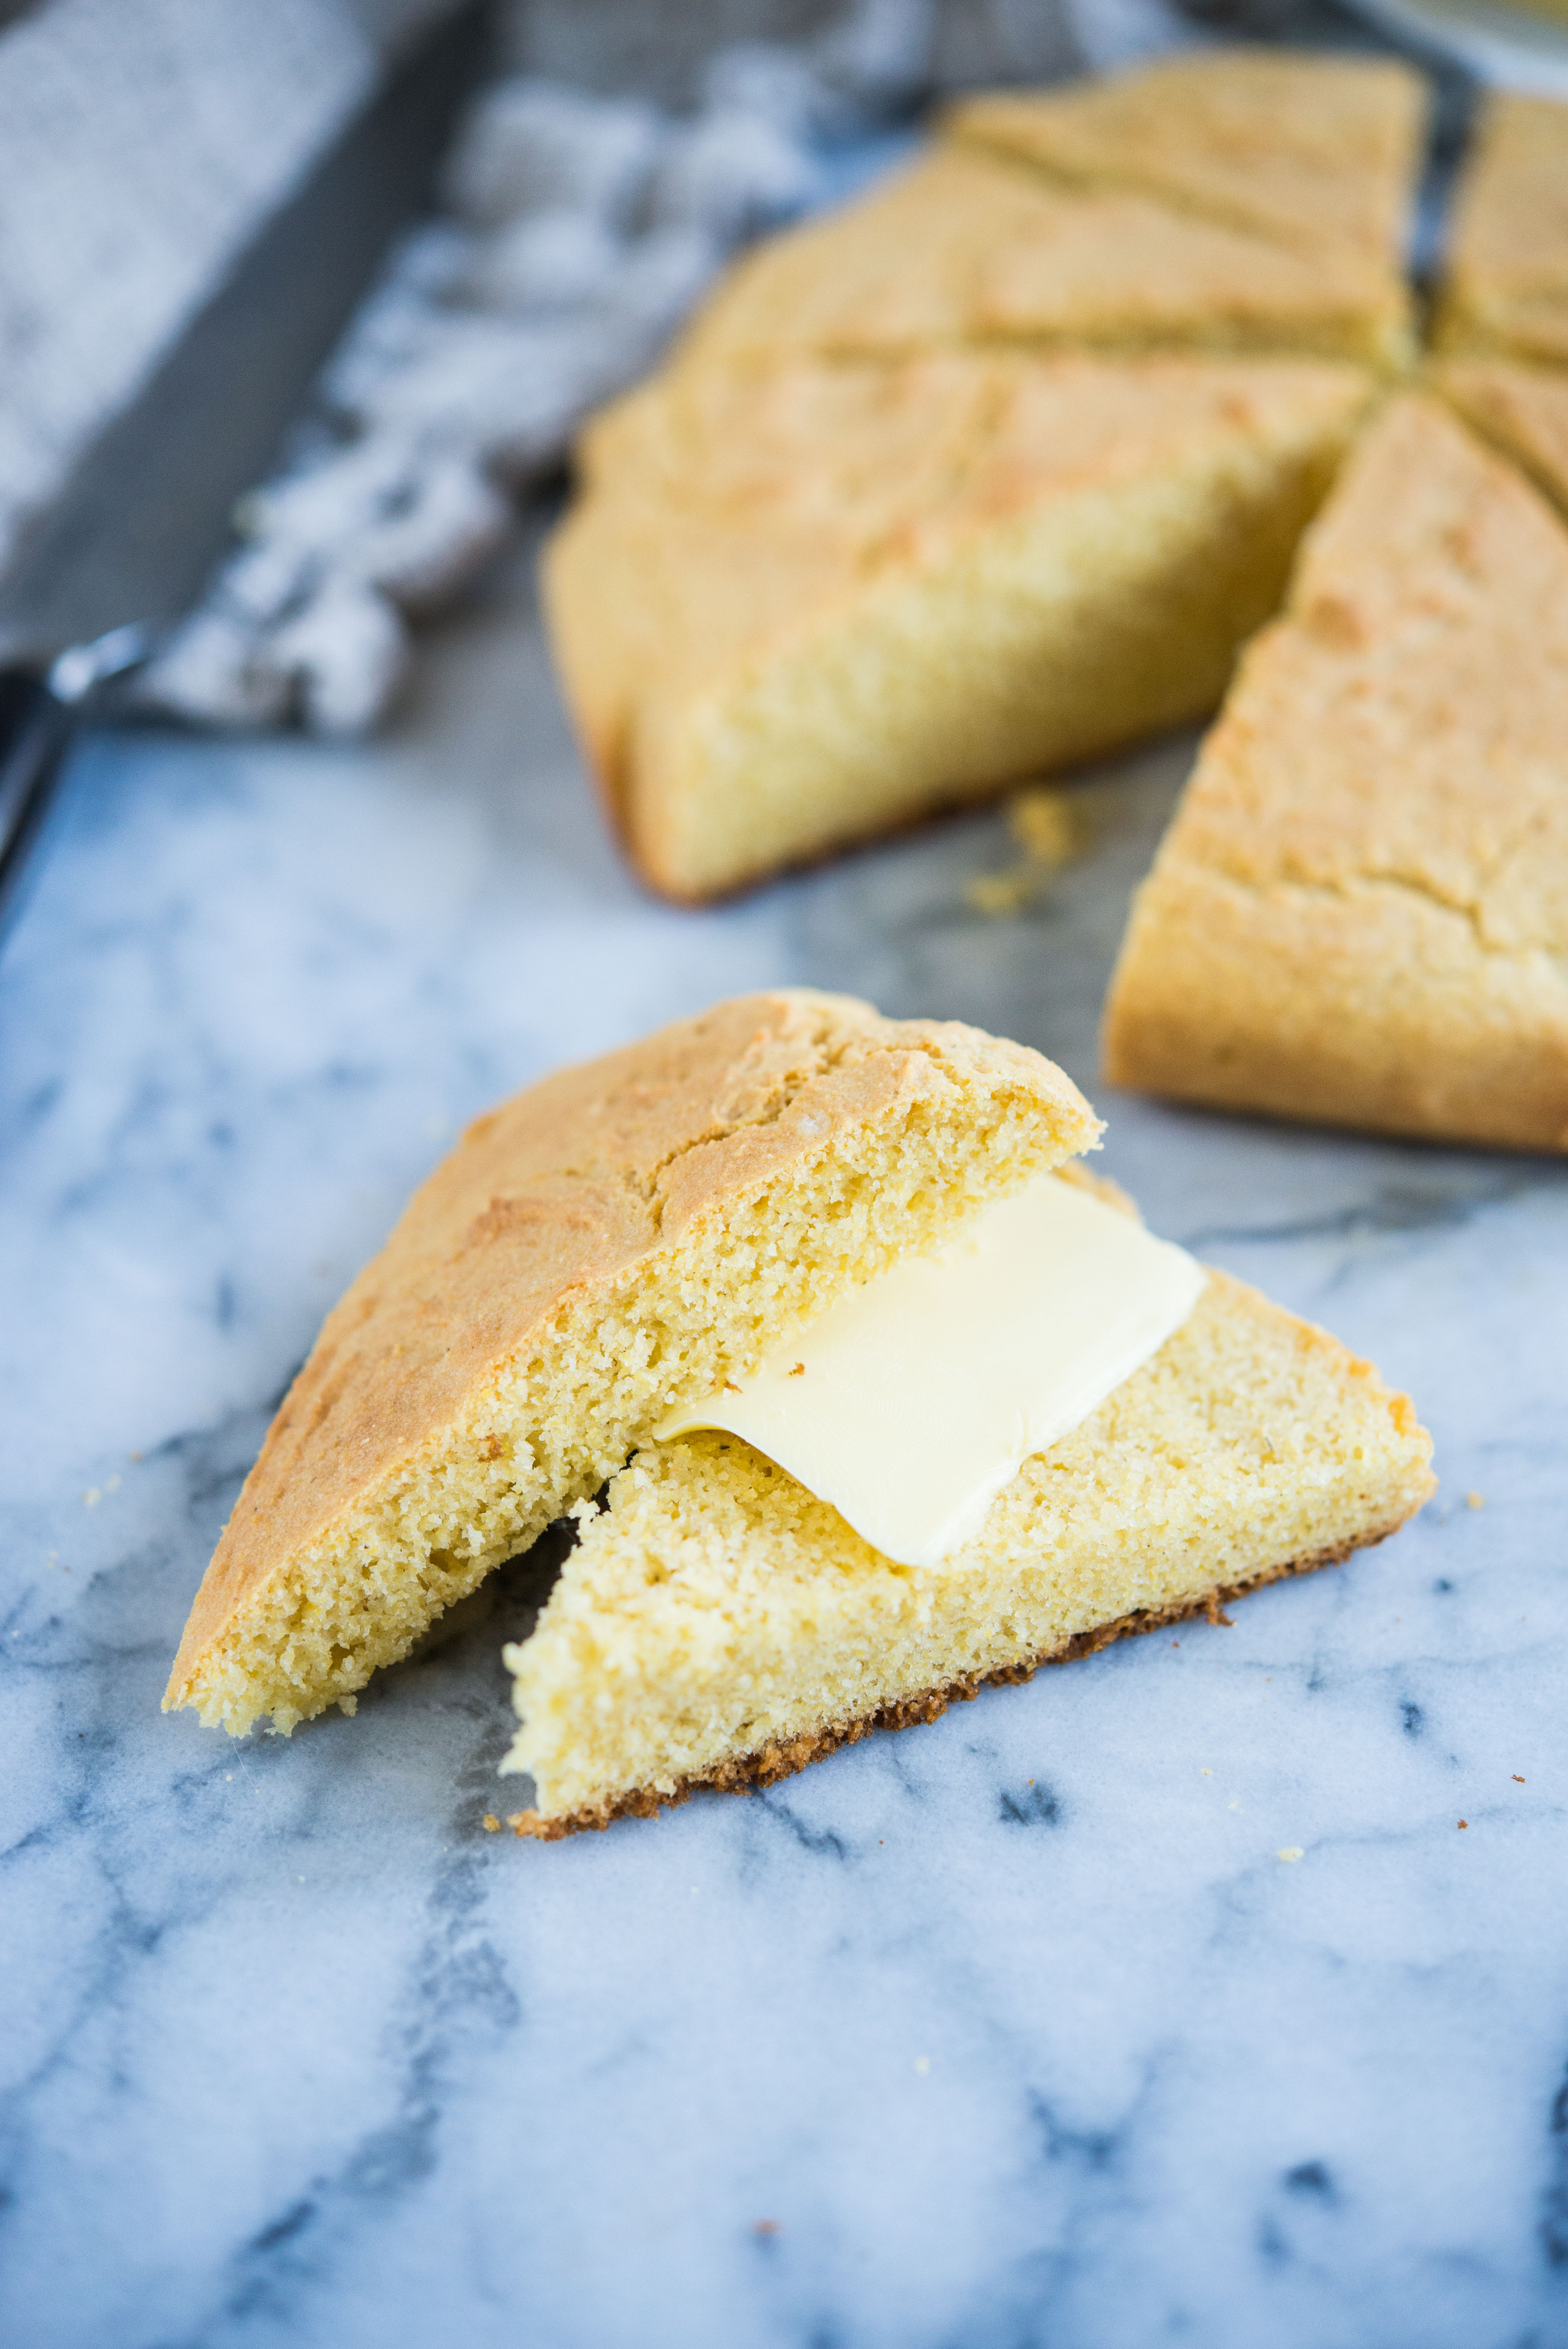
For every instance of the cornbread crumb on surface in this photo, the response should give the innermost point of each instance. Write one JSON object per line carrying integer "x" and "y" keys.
{"x": 615, "y": 1241}
{"x": 1360, "y": 911}
{"x": 796, "y": 610}
{"x": 718, "y": 1625}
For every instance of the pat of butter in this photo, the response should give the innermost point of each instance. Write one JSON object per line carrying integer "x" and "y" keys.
{"x": 914, "y": 1400}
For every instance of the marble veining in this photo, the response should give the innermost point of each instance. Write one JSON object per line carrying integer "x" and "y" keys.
{"x": 1164, "y": 1999}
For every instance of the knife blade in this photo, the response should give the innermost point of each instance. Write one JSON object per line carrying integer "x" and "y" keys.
{"x": 148, "y": 512}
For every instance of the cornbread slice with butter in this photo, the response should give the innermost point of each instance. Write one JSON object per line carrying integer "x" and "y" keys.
{"x": 795, "y": 610}
{"x": 614, "y": 1242}
{"x": 718, "y": 1625}
{"x": 1360, "y": 911}
{"x": 1507, "y": 285}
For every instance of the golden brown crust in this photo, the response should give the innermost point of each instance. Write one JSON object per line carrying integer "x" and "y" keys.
{"x": 1522, "y": 411}
{"x": 548, "y": 1199}
{"x": 1360, "y": 911}
{"x": 1508, "y": 245}
{"x": 1054, "y": 553}
{"x": 749, "y": 1771}
{"x": 1314, "y": 152}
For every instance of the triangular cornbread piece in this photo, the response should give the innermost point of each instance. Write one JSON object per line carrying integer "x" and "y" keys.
{"x": 1507, "y": 285}
{"x": 716, "y": 1625}
{"x": 620, "y": 1237}
{"x": 1524, "y": 410}
{"x": 1360, "y": 911}
{"x": 964, "y": 247}
{"x": 796, "y": 609}
{"x": 1316, "y": 152}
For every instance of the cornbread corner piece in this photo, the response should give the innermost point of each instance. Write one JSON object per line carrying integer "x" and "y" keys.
{"x": 1316, "y": 154}
{"x": 797, "y": 610}
{"x": 617, "y": 1240}
{"x": 1359, "y": 914}
{"x": 964, "y": 247}
{"x": 718, "y": 1626}
{"x": 1507, "y": 288}
{"x": 1522, "y": 411}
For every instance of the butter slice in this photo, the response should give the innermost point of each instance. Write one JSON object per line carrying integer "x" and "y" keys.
{"x": 910, "y": 1403}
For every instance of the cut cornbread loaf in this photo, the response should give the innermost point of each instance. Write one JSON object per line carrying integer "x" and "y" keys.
{"x": 620, "y": 1238}
{"x": 1507, "y": 285}
{"x": 1316, "y": 154}
{"x": 965, "y": 247}
{"x": 795, "y": 610}
{"x": 1522, "y": 411}
{"x": 718, "y": 1626}
{"x": 1360, "y": 911}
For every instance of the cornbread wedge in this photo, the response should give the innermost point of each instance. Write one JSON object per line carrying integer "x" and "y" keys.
{"x": 1237, "y": 201}
{"x": 621, "y": 1238}
{"x": 795, "y": 610}
{"x": 1507, "y": 287}
{"x": 1360, "y": 911}
{"x": 1316, "y": 154}
{"x": 718, "y": 1626}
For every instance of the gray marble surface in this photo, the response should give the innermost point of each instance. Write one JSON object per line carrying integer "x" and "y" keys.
{"x": 1017, "y": 2028}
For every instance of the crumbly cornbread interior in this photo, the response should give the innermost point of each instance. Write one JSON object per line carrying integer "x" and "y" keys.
{"x": 618, "y": 1241}
{"x": 793, "y": 611}
{"x": 716, "y": 1622}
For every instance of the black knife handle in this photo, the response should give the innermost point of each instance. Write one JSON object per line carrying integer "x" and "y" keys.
{"x": 35, "y": 729}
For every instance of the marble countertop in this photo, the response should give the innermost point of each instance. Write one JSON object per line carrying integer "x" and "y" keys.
{"x": 1017, "y": 2028}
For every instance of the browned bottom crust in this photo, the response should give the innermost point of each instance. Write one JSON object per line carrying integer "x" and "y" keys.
{"x": 765, "y": 1769}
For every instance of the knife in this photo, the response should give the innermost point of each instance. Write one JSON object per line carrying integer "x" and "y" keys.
{"x": 124, "y": 552}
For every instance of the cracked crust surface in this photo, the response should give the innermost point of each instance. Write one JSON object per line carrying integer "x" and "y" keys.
{"x": 622, "y": 1230}
{"x": 750, "y": 1772}
{"x": 1360, "y": 911}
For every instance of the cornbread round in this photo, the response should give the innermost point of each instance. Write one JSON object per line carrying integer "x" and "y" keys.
{"x": 613, "y": 1242}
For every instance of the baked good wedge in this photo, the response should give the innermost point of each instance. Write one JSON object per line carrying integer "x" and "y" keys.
{"x": 1507, "y": 285}
{"x": 1359, "y": 914}
{"x": 795, "y": 610}
{"x": 624, "y": 1236}
{"x": 720, "y": 1626}
{"x": 965, "y": 247}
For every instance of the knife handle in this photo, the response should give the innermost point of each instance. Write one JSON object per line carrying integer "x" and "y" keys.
{"x": 35, "y": 729}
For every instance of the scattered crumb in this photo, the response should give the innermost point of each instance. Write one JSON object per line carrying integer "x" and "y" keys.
{"x": 922, "y": 2063}
{"x": 1464, "y": 1822}
{"x": 799, "y": 1371}
{"x": 491, "y": 1824}
{"x": 91, "y": 1497}
{"x": 1234, "y": 1806}
{"x": 1048, "y": 827}
{"x": 112, "y": 1484}
{"x": 53, "y": 1559}
{"x": 1031, "y": 1781}
{"x": 136, "y": 1457}
{"x": 765, "y": 2225}
{"x": 1517, "y": 1779}
{"x": 730, "y": 1387}
{"x": 1291, "y": 1851}
{"x": 1205, "y": 1773}
{"x": 1175, "y": 1643}
{"x": 1475, "y": 1500}
{"x": 1000, "y": 893}
{"x": 1051, "y": 832}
